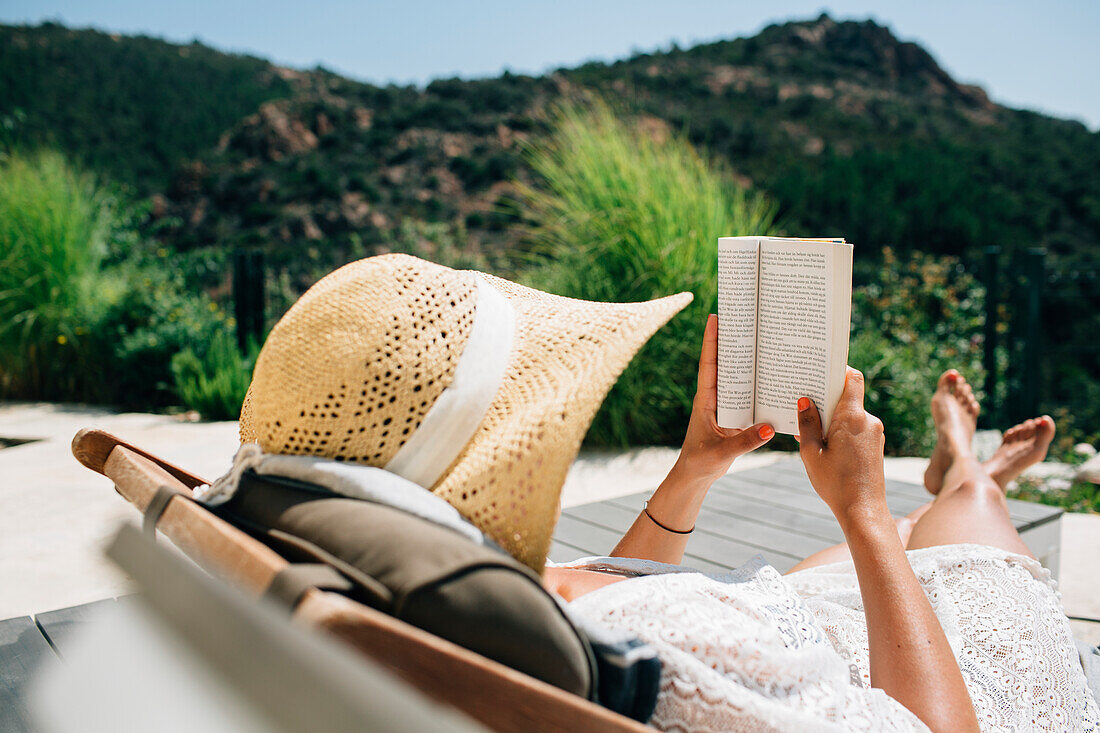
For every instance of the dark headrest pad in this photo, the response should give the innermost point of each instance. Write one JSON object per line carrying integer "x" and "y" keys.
{"x": 425, "y": 574}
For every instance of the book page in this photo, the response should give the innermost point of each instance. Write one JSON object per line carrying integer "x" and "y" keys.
{"x": 737, "y": 273}
{"x": 840, "y": 303}
{"x": 795, "y": 331}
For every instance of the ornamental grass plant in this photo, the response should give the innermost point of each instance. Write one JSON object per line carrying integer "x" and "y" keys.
{"x": 625, "y": 213}
{"x": 214, "y": 381}
{"x": 54, "y": 226}
{"x": 89, "y": 312}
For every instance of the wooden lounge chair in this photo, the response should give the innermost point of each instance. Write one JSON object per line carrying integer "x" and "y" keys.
{"x": 499, "y": 697}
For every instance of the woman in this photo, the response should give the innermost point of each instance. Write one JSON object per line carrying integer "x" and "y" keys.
{"x": 904, "y": 645}
{"x": 478, "y": 391}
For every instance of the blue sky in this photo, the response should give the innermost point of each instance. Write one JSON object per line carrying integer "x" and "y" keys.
{"x": 1037, "y": 55}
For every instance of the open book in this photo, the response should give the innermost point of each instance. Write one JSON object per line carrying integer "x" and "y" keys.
{"x": 784, "y": 310}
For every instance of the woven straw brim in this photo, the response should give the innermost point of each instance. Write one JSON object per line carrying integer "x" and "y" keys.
{"x": 353, "y": 368}
{"x": 350, "y": 371}
{"x": 567, "y": 355}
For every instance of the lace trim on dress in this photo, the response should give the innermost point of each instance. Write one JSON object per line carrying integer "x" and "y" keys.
{"x": 754, "y": 650}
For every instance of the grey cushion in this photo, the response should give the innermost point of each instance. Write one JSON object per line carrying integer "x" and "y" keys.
{"x": 423, "y": 573}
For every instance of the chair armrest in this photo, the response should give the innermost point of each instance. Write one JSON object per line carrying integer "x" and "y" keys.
{"x": 498, "y": 696}
{"x": 93, "y": 447}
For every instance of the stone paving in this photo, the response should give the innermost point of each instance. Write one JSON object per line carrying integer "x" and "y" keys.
{"x": 56, "y": 515}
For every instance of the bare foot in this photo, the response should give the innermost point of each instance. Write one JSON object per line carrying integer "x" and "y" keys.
{"x": 1022, "y": 445}
{"x": 955, "y": 412}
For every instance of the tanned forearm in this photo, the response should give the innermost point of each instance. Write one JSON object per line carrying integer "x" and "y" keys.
{"x": 911, "y": 660}
{"x": 675, "y": 504}
{"x": 706, "y": 455}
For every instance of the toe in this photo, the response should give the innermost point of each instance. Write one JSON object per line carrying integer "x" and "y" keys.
{"x": 948, "y": 379}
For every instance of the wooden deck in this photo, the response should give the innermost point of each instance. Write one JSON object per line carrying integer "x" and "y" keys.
{"x": 25, "y": 643}
{"x": 771, "y": 510}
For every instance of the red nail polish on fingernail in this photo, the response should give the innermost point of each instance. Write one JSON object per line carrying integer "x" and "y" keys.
{"x": 766, "y": 432}
{"x": 803, "y": 403}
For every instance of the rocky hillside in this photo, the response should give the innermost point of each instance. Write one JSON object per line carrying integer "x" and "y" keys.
{"x": 858, "y": 134}
{"x": 132, "y": 108}
{"x": 852, "y": 131}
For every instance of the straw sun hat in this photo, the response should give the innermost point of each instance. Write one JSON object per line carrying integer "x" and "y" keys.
{"x": 466, "y": 384}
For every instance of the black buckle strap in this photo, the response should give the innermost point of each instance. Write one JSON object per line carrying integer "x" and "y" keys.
{"x": 155, "y": 509}
{"x": 291, "y": 583}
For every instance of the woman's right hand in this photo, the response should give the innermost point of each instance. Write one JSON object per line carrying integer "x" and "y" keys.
{"x": 709, "y": 450}
{"x": 846, "y": 465}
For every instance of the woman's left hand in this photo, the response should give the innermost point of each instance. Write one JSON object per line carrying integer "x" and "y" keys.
{"x": 709, "y": 450}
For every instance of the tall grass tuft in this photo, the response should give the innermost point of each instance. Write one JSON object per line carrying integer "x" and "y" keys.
{"x": 622, "y": 214}
{"x": 214, "y": 380}
{"x": 54, "y": 224}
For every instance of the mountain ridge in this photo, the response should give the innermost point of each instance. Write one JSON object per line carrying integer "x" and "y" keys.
{"x": 851, "y": 130}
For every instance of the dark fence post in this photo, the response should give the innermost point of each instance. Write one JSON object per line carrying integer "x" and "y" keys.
{"x": 1035, "y": 275}
{"x": 248, "y": 296}
{"x": 989, "y": 357}
{"x": 1014, "y": 346}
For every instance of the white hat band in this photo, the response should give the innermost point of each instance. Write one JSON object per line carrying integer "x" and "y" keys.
{"x": 458, "y": 411}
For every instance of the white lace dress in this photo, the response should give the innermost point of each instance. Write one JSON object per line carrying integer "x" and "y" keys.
{"x": 753, "y": 650}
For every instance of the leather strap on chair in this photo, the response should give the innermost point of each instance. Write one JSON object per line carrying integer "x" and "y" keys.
{"x": 156, "y": 507}
{"x": 380, "y": 596}
{"x": 290, "y": 584}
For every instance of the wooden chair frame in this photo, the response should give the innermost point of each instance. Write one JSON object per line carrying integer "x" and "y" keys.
{"x": 499, "y": 697}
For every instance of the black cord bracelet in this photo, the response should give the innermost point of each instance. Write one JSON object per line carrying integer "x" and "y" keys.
{"x": 645, "y": 509}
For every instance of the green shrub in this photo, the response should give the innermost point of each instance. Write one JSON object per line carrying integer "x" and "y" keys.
{"x": 213, "y": 380}
{"x": 621, "y": 215}
{"x": 921, "y": 317}
{"x": 156, "y": 318}
{"x": 1075, "y": 496}
{"x": 54, "y": 226}
{"x": 88, "y": 312}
